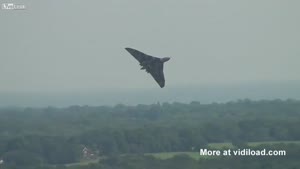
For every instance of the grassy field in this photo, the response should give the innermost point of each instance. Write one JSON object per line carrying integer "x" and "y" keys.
{"x": 220, "y": 145}
{"x": 166, "y": 155}
{"x": 84, "y": 162}
{"x": 273, "y": 142}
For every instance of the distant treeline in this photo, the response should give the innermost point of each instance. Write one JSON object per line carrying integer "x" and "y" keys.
{"x": 57, "y": 135}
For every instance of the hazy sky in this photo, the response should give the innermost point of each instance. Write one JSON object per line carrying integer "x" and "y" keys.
{"x": 78, "y": 45}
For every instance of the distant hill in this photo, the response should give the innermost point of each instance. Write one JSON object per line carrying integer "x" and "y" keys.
{"x": 202, "y": 93}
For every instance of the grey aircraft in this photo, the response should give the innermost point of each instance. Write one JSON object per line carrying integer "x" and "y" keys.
{"x": 151, "y": 64}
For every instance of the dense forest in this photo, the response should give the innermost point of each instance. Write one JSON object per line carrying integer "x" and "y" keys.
{"x": 50, "y": 137}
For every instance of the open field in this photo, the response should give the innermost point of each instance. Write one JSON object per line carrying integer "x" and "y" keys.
{"x": 252, "y": 144}
{"x": 85, "y": 162}
{"x": 220, "y": 145}
{"x": 167, "y": 155}
{"x": 273, "y": 142}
